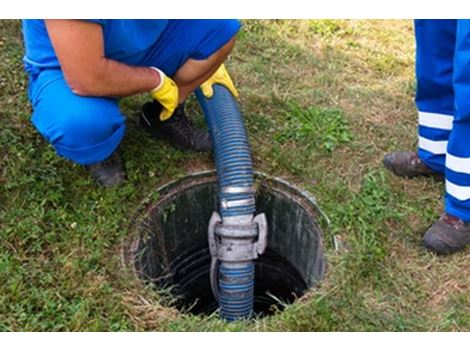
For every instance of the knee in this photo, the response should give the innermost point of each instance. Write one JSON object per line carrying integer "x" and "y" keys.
{"x": 222, "y": 34}
{"x": 225, "y": 27}
{"x": 82, "y": 125}
{"x": 90, "y": 125}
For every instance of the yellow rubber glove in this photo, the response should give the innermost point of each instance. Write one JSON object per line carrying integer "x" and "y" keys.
{"x": 167, "y": 94}
{"x": 222, "y": 77}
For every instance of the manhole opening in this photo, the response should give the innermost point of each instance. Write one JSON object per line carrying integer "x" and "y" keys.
{"x": 169, "y": 247}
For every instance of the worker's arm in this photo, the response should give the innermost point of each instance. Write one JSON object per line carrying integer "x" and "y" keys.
{"x": 80, "y": 49}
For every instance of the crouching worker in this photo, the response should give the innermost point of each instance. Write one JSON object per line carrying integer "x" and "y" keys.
{"x": 78, "y": 70}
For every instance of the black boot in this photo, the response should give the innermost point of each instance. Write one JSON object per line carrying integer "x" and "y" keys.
{"x": 447, "y": 235}
{"x": 109, "y": 172}
{"x": 178, "y": 129}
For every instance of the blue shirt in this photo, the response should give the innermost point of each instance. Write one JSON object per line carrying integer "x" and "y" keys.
{"x": 126, "y": 41}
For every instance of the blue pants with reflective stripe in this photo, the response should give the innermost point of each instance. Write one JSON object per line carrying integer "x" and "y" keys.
{"x": 87, "y": 130}
{"x": 443, "y": 102}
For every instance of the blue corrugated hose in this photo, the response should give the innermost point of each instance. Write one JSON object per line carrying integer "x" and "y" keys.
{"x": 234, "y": 169}
{"x": 236, "y": 289}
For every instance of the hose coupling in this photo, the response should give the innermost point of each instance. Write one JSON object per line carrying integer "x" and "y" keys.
{"x": 237, "y": 242}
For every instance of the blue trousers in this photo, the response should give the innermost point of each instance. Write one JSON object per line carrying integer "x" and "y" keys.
{"x": 443, "y": 102}
{"x": 87, "y": 130}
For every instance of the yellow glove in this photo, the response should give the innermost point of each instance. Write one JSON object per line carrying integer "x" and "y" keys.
{"x": 167, "y": 94}
{"x": 222, "y": 77}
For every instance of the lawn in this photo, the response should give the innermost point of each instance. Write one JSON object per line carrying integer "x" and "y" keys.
{"x": 323, "y": 100}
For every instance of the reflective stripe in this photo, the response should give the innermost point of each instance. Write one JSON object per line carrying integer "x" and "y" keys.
{"x": 458, "y": 164}
{"x": 456, "y": 191}
{"x": 435, "y": 147}
{"x": 430, "y": 119}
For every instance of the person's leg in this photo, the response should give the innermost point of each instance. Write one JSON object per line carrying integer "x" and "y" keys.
{"x": 435, "y": 43}
{"x": 458, "y": 151}
{"x": 85, "y": 130}
{"x": 189, "y": 51}
{"x": 451, "y": 232}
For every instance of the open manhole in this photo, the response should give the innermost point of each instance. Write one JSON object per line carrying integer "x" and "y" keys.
{"x": 168, "y": 244}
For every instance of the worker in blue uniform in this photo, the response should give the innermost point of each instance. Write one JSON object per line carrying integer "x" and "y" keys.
{"x": 443, "y": 103}
{"x": 78, "y": 70}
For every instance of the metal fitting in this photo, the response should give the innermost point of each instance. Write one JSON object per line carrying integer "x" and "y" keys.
{"x": 226, "y": 204}
{"x": 237, "y": 190}
{"x": 235, "y": 243}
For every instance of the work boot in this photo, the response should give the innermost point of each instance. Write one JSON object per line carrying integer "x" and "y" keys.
{"x": 407, "y": 164}
{"x": 109, "y": 172}
{"x": 178, "y": 129}
{"x": 447, "y": 235}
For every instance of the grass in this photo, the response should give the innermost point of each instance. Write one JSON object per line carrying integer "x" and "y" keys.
{"x": 324, "y": 100}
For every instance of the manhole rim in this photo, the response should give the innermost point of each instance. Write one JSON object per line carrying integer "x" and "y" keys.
{"x": 168, "y": 189}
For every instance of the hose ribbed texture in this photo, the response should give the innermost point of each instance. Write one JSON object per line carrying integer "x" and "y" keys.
{"x": 236, "y": 290}
{"x": 234, "y": 169}
{"x": 231, "y": 149}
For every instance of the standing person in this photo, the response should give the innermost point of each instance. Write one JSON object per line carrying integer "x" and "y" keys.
{"x": 443, "y": 103}
{"x": 79, "y": 69}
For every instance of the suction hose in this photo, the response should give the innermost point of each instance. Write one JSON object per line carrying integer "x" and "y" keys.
{"x": 236, "y": 236}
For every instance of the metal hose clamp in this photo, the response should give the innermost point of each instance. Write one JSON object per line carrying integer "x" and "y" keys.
{"x": 226, "y": 204}
{"x": 237, "y": 190}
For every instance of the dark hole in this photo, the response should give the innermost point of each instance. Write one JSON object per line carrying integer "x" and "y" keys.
{"x": 171, "y": 252}
{"x": 277, "y": 283}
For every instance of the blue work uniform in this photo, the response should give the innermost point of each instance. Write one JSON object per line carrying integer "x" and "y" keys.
{"x": 443, "y": 102}
{"x": 87, "y": 130}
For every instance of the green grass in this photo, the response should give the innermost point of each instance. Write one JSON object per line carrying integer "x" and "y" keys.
{"x": 316, "y": 129}
{"x": 323, "y": 100}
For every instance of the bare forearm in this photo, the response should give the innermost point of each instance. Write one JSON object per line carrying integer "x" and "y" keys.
{"x": 79, "y": 46}
{"x": 112, "y": 78}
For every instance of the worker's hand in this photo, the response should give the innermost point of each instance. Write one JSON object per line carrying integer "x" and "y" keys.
{"x": 167, "y": 94}
{"x": 222, "y": 77}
